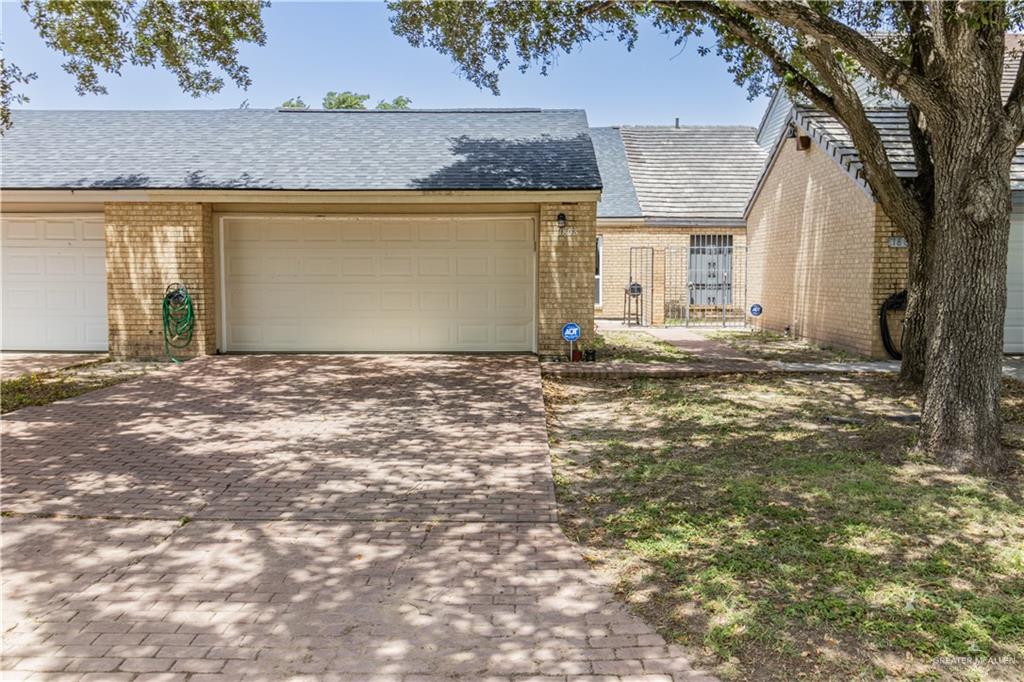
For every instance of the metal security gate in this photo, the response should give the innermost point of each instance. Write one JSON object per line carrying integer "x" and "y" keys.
{"x": 638, "y": 296}
{"x": 705, "y": 284}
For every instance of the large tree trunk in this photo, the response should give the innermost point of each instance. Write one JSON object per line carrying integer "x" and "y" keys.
{"x": 966, "y": 301}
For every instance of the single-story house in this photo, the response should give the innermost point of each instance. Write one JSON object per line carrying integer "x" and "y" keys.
{"x": 426, "y": 230}
{"x": 671, "y": 219}
{"x": 822, "y": 255}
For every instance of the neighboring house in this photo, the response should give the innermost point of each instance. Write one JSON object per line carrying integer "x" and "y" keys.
{"x": 671, "y": 218}
{"x": 456, "y": 230}
{"x": 823, "y": 256}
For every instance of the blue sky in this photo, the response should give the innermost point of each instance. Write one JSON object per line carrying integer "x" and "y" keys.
{"x": 315, "y": 47}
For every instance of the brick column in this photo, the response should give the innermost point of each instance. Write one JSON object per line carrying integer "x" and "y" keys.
{"x": 658, "y": 295}
{"x": 151, "y": 245}
{"x": 565, "y": 278}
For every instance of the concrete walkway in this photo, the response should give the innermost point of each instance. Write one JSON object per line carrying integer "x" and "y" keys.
{"x": 16, "y": 364}
{"x": 313, "y": 517}
{"x": 718, "y": 357}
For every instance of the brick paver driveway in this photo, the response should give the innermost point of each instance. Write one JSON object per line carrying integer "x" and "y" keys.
{"x": 336, "y": 517}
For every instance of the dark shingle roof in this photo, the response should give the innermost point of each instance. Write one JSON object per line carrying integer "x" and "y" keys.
{"x": 523, "y": 149}
{"x": 699, "y": 175}
{"x": 892, "y": 125}
{"x": 618, "y": 197}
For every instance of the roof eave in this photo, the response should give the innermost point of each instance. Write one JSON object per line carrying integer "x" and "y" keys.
{"x": 66, "y": 195}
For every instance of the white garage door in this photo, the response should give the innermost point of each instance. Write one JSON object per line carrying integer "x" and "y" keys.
{"x": 53, "y": 271}
{"x": 378, "y": 283}
{"x": 1013, "y": 331}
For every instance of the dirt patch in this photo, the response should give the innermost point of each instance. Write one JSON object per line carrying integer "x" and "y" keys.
{"x": 765, "y": 345}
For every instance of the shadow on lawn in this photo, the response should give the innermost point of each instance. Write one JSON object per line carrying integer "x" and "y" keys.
{"x": 737, "y": 518}
{"x": 288, "y": 515}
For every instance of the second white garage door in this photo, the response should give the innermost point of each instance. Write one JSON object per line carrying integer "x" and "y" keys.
{"x": 54, "y": 282}
{"x": 373, "y": 283}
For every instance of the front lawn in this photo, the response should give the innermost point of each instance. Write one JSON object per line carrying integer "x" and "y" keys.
{"x": 43, "y": 388}
{"x": 777, "y": 543}
{"x": 638, "y": 347}
{"x": 766, "y": 345}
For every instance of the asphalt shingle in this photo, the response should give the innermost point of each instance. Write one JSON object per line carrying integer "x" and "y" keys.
{"x": 510, "y": 149}
{"x": 618, "y": 197}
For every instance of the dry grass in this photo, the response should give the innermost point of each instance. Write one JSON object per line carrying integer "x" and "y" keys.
{"x": 765, "y": 345}
{"x": 43, "y": 388}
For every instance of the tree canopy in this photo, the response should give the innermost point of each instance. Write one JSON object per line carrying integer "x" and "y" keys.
{"x": 349, "y": 100}
{"x": 944, "y": 59}
{"x": 190, "y": 38}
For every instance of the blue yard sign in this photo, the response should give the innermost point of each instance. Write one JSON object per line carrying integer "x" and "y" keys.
{"x": 756, "y": 309}
{"x": 571, "y": 332}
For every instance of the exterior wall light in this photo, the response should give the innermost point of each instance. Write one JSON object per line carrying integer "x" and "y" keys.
{"x": 561, "y": 221}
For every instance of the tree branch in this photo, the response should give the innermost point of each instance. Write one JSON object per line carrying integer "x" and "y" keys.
{"x": 883, "y": 67}
{"x": 747, "y": 32}
{"x": 896, "y": 199}
{"x": 1014, "y": 106}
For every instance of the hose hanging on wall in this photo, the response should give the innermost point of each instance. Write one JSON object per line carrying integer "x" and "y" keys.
{"x": 179, "y": 318}
{"x": 897, "y": 301}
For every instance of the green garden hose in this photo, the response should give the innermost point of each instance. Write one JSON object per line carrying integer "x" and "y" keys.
{"x": 179, "y": 319}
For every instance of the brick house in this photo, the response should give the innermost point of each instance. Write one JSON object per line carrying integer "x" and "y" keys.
{"x": 667, "y": 189}
{"x": 454, "y": 230}
{"x": 823, "y": 256}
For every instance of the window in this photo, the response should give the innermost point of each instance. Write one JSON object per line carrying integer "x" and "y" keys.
{"x": 597, "y": 271}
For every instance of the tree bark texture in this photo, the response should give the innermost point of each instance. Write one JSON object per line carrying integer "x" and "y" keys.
{"x": 966, "y": 283}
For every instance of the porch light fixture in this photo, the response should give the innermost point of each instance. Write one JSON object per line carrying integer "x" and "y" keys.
{"x": 561, "y": 221}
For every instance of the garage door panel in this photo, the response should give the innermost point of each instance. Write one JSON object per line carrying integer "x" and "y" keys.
{"x": 434, "y": 266}
{"x": 92, "y": 231}
{"x": 396, "y": 231}
{"x": 473, "y": 266}
{"x": 435, "y": 301}
{"x": 404, "y": 301}
{"x": 54, "y": 283}
{"x": 388, "y": 284}
{"x": 63, "y": 301}
{"x": 435, "y": 232}
{"x": 512, "y": 334}
{"x": 358, "y": 266}
{"x": 474, "y": 302}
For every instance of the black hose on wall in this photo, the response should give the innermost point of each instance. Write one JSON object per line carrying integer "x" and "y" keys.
{"x": 897, "y": 301}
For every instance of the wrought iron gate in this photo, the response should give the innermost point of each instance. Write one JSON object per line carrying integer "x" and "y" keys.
{"x": 639, "y": 303}
{"x": 705, "y": 284}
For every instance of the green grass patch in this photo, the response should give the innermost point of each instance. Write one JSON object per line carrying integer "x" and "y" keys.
{"x": 783, "y": 545}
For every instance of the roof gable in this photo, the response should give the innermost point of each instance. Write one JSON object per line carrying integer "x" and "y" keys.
{"x": 698, "y": 175}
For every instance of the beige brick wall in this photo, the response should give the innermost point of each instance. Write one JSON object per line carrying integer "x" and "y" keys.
{"x": 617, "y": 240}
{"x": 565, "y": 279}
{"x": 151, "y": 245}
{"x": 813, "y": 244}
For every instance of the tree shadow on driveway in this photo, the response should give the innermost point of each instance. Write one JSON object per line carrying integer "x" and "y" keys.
{"x": 283, "y": 515}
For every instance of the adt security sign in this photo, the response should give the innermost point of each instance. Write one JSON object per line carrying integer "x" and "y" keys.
{"x": 571, "y": 332}
{"x": 756, "y": 309}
